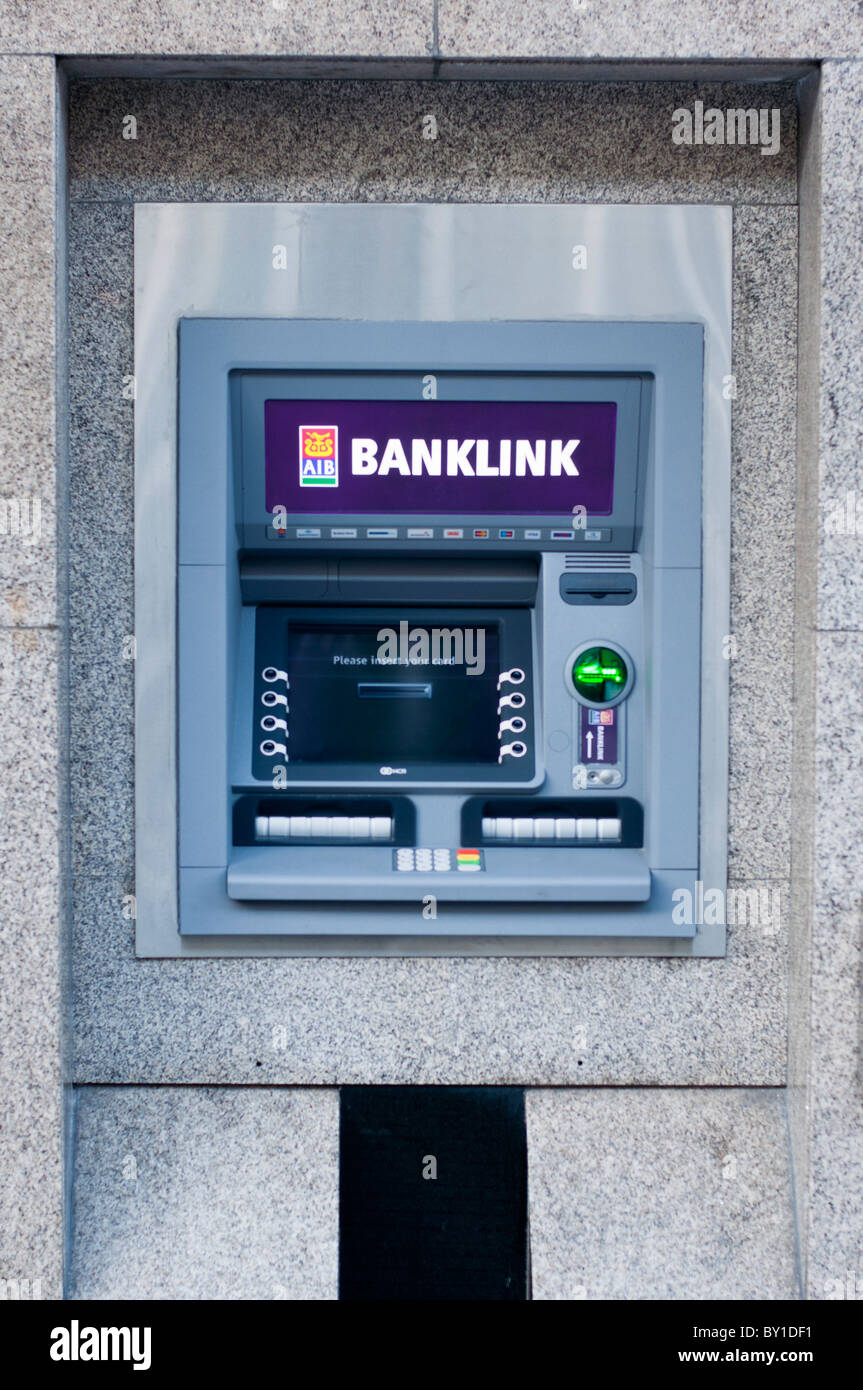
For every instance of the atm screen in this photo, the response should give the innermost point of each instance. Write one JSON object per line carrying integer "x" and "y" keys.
{"x": 366, "y": 693}
{"x": 445, "y": 458}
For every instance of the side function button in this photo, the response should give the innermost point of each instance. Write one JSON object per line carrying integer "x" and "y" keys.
{"x": 513, "y": 677}
{"x": 512, "y": 750}
{"x": 516, "y": 725}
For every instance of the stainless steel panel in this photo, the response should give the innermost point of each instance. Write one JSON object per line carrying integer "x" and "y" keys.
{"x": 405, "y": 262}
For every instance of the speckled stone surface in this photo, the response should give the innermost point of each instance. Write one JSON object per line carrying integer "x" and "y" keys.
{"x": 835, "y": 1159}
{"x": 480, "y": 159}
{"x": 762, "y": 540}
{"x": 805, "y": 607}
{"x": 465, "y": 28}
{"x": 27, "y": 513}
{"x": 835, "y": 1188}
{"x": 308, "y": 1021}
{"x": 697, "y": 28}
{"x": 367, "y": 28}
{"x": 31, "y": 1010}
{"x": 361, "y": 141}
{"x": 840, "y": 572}
{"x": 827, "y": 1020}
{"x": 659, "y": 1194}
{"x": 31, "y": 1165}
{"x": 211, "y": 1193}
{"x": 434, "y": 1020}
{"x": 100, "y": 540}
{"x": 839, "y": 767}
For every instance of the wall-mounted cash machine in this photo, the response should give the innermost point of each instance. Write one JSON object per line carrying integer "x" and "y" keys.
{"x": 439, "y": 627}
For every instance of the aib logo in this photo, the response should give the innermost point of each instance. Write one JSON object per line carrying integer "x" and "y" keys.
{"x": 319, "y": 456}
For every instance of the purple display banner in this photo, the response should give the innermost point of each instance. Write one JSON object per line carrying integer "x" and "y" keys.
{"x": 510, "y": 458}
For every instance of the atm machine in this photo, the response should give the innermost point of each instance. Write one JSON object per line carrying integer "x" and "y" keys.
{"x": 439, "y": 634}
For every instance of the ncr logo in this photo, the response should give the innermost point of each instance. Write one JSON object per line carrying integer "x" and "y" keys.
{"x": 319, "y": 456}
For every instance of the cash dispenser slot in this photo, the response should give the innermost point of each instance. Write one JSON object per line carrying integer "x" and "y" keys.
{"x": 434, "y": 581}
{"x": 439, "y": 581}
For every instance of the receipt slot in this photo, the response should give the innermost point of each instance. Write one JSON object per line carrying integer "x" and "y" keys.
{"x": 439, "y": 628}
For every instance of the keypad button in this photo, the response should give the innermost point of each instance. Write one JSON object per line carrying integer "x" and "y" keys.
{"x": 564, "y": 828}
{"x": 609, "y": 829}
{"x": 586, "y": 829}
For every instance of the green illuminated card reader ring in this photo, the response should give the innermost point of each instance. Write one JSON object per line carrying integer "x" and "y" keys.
{"x": 599, "y": 673}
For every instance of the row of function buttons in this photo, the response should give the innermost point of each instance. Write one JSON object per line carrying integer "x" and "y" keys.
{"x": 323, "y": 827}
{"x": 272, "y": 723}
{"x": 431, "y": 533}
{"x": 273, "y": 699}
{"x": 511, "y": 724}
{"x": 550, "y": 828}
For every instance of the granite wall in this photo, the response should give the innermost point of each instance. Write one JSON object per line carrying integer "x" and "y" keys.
{"x": 680, "y": 1066}
{"x": 588, "y": 1022}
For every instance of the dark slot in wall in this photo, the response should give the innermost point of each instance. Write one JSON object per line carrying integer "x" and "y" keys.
{"x": 433, "y": 1193}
